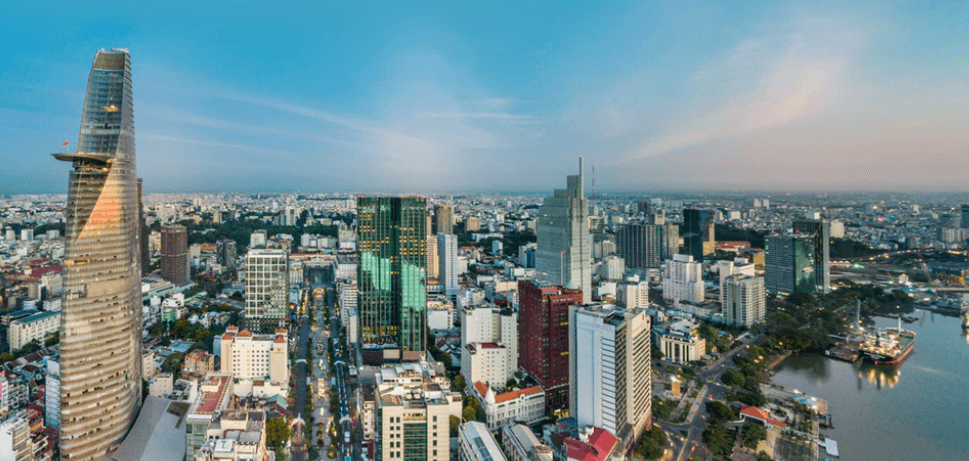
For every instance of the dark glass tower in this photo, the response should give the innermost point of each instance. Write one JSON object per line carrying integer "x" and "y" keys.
{"x": 393, "y": 272}
{"x": 821, "y": 230}
{"x": 789, "y": 264}
{"x": 100, "y": 334}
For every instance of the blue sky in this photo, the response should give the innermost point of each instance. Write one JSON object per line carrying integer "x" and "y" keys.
{"x": 503, "y": 95}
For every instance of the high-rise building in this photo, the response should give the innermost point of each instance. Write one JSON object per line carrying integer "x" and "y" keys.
{"x": 609, "y": 362}
{"x": 564, "y": 243}
{"x": 392, "y": 271}
{"x": 735, "y": 267}
{"x": 698, "y": 227}
{"x": 267, "y": 289}
{"x": 432, "y": 258}
{"x": 225, "y": 253}
{"x": 789, "y": 263}
{"x": 472, "y": 224}
{"x": 475, "y": 443}
{"x": 683, "y": 279}
{"x": 965, "y": 216}
{"x": 143, "y": 233}
{"x": 746, "y": 300}
{"x": 100, "y": 336}
{"x": 52, "y": 393}
{"x": 447, "y": 263}
{"x": 645, "y": 246}
{"x": 174, "y": 254}
{"x": 258, "y": 239}
{"x": 415, "y": 426}
{"x": 444, "y": 219}
{"x": 821, "y": 230}
{"x": 15, "y": 443}
{"x": 543, "y": 337}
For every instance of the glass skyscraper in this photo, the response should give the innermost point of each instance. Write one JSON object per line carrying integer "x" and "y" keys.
{"x": 392, "y": 272}
{"x": 564, "y": 249}
{"x": 789, "y": 263}
{"x": 100, "y": 334}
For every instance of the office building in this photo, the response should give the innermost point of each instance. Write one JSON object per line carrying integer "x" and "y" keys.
{"x": 613, "y": 268}
{"x": 521, "y": 444}
{"x": 698, "y": 228}
{"x": 143, "y": 232}
{"x": 679, "y": 341}
{"x": 174, "y": 255}
{"x": 52, "y": 393}
{"x": 443, "y": 219}
{"x": 646, "y": 246}
{"x": 609, "y": 361}
{"x": 27, "y": 235}
{"x": 683, "y": 279}
{"x": 415, "y": 425}
{"x": 447, "y": 265}
{"x": 392, "y": 272}
{"x": 267, "y": 290}
{"x": 100, "y": 335}
{"x": 964, "y": 222}
{"x": 472, "y": 224}
{"x": 489, "y": 341}
{"x": 735, "y": 267}
{"x": 789, "y": 263}
{"x": 225, "y": 253}
{"x": 543, "y": 337}
{"x": 821, "y": 230}
{"x": 432, "y": 258}
{"x": 475, "y": 443}
{"x": 36, "y": 327}
{"x": 258, "y": 239}
{"x": 746, "y": 300}
{"x": 564, "y": 242}
{"x": 633, "y": 294}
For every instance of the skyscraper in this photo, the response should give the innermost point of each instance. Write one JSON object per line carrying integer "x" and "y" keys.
{"x": 543, "y": 337}
{"x": 609, "y": 362}
{"x": 444, "y": 219}
{"x": 392, "y": 272}
{"x": 564, "y": 242}
{"x": 698, "y": 227}
{"x": 433, "y": 271}
{"x": 821, "y": 230}
{"x": 143, "y": 233}
{"x": 267, "y": 289}
{"x": 174, "y": 254}
{"x": 100, "y": 335}
{"x": 447, "y": 266}
{"x": 965, "y": 217}
{"x": 642, "y": 245}
{"x": 225, "y": 253}
{"x": 789, "y": 263}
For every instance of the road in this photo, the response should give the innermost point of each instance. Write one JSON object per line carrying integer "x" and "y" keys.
{"x": 299, "y": 451}
{"x": 696, "y": 420}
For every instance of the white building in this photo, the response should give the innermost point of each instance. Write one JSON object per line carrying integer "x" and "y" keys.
{"x": 15, "y": 443}
{"x": 633, "y": 295}
{"x": 162, "y": 385}
{"x": 255, "y": 357}
{"x": 257, "y": 239}
{"x": 526, "y": 406}
{"x": 429, "y": 411}
{"x": 487, "y": 363}
{"x": 739, "y": 266}
{"x": 683, "y": 279}
{"x": 432, "y": 258}
{"x": 476, "y": 443}
{"x": 613, "y": 267}
{"x": 609, "y": 362}
{"x": 267, "y": 288}
{"x": 348, "y": 301}
{"x": 52, "y": 393}
{"x": 564, "y": 240}
{"x": 440, "y": 313}
{"x": 35, "y": 327}
{"x": 492, "y": 333}
{"x": 447, "y": 263}
{"x": 746, "y": 300}
{"x": 679, "y": 341}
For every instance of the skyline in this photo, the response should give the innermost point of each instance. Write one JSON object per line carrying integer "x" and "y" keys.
{"x": 782, "y": 97}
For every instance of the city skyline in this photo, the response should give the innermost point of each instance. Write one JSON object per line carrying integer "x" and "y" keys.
{"x": 779, "y": 97}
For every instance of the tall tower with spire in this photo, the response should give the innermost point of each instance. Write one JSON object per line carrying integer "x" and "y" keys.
{"x": 563, "y": 255}
{"x": 100, "y": 333}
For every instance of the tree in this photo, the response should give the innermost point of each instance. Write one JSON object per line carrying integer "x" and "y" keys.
{"x": 733, "y": 378}
{"x": 469, "y": 413}
{"x": 455, "y": 424}
{"x": 719, "y": 412}
{"x": 801, "y": 298}
{"x": 753, "y": 433}
{"x": 458, "y": 383}
{"x": 56, "y": 338}
{"x": 762, "y": 456}
{"x": 6, "y": 357}
{"x": 277, "y": 432}
{"x": 718, "y": 440}
{"x": 173, "y": 364}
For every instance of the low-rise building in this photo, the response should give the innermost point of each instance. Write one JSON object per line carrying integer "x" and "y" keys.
{"x": 679, "y": 341}
{"x": 36, "y": 327}
{"x": 202, "y": 422}
{"x": 199, "y": 363}
{"x": 239, "y": 435}
{"x": 162, "y": 385}
{"x": 15, "y": 443}
{"x": 521, "y": 444}
{"x": 488, "y": 363}
{"x": 477, "y": 444}
{"x": 255, "y": 357}
{"x": 525, "y": 406}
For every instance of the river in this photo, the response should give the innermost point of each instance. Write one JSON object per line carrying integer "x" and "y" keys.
{"x": 917, "y": 411}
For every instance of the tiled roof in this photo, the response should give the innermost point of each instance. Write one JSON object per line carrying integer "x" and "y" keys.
{"x": 506, "y": 396}
{"x": 761, "y": 415}
{"x": 481, "y": 388}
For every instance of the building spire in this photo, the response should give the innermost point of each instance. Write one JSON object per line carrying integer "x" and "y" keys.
{"x": 581, "y": 179}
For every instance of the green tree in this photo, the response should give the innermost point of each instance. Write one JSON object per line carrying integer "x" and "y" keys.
{"x": 457, "y": 383}
{"x": 718, "y": 440}
{"x": 6, "y": 357}
{"x": 56, "y": 338}
{"x": 733, "y": 378}
{"x": 762, "y": 456}
{"x": 752, "y": 434}
{"x": 277, "y": 432}
{"x": 469, "y": 413}
{"x": 455, "y": 424}
{"x": 719, "y": 412}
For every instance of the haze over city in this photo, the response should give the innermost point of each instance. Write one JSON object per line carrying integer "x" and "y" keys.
{"x": 704, "y": 95}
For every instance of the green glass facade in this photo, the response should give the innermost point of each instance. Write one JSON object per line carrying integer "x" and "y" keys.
{"x": 392, "y": 272}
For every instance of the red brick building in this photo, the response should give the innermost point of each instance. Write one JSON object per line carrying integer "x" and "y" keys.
{"x": 543, "y": 337}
